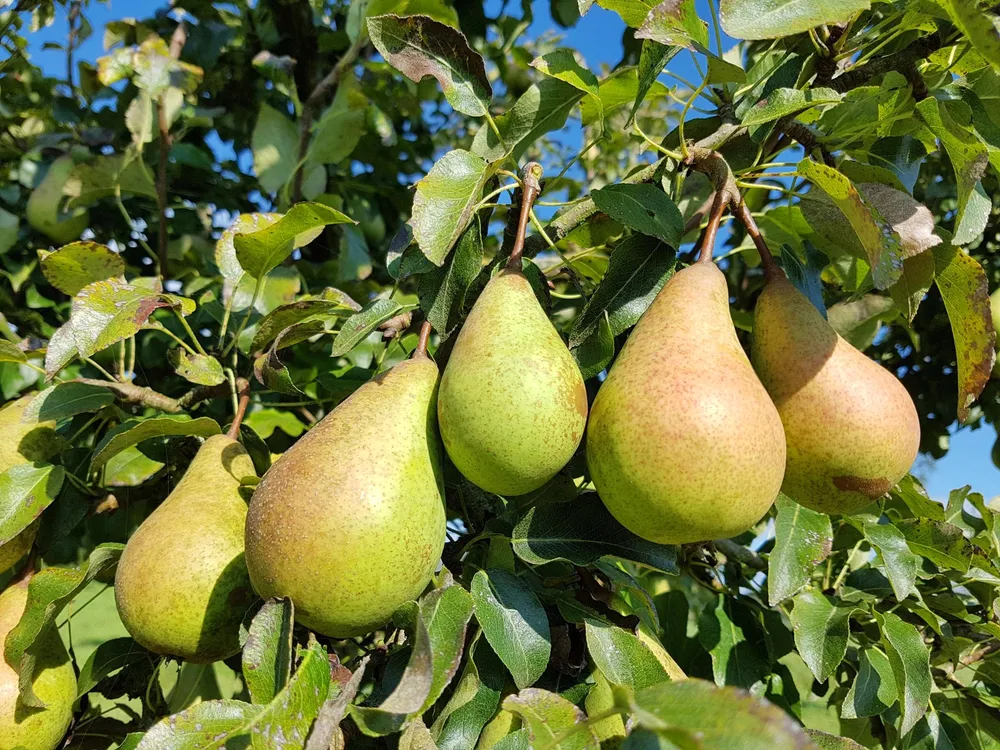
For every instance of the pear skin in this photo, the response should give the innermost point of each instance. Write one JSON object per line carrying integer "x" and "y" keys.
{"x": 684, "y": 444}
{"x": 851, "y": 426}
{"x": 349, "y": 523}
{"x": 44, "y": 209}
{"x": 512, "y": 406}
{"x": 182, "y": 586}
{"x": 54, "y": 684}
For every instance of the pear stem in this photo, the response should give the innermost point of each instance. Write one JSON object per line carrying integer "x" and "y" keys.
{"x": 708, "y": 241}
{"x": 771, "y": 269}
{"x": 243, "y": 386}
{"x": 425, "y": 335}
{"x": 530, "y": 188}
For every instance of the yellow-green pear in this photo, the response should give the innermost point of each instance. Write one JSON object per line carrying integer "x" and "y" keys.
{"x": 20, "y": 443}
{"x": 182, "y": 586}
{"x": 683, "y": 443}
{"x": 44, "y": 210}
{"x": 349, "y": 523}
{"x": 851, "y": 427}
{"x": 54, "y": 683}
{"x": 513, "y": 405}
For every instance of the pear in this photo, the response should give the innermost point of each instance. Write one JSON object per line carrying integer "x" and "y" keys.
{"x": 182, "y": 586}
{"x": 349, "y": 523}
{"x": 20, "y": 443}
{"x": 851, "y": 427}
{"x": 44, "y": 209}
{"x": 512, "y": 406}
{"x": 684, "y": 444}
{"x": 54, "y": 683}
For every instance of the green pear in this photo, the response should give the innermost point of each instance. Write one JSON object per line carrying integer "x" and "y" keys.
{"x": 349, "y": 523}
{"x": 851, "y": 427}
{"x": 512, "y": 406}
{"x": 684, "y": 444}
{"x": 182, "y": 586}
{"x": 20, "y": 443}
{"x": 44, "y": 210}
{"x": 54, "y": 683}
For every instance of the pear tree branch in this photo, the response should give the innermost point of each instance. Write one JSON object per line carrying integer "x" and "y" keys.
{"x": 425, "y": 335}
{"x": 531, "y": 176}
{"x": 243, "y": 386}
{"x": 130, "y": 393}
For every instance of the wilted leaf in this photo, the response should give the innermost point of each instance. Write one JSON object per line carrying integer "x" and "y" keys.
{"x": 962, "y": 283}
{"x": 419, "y": 46}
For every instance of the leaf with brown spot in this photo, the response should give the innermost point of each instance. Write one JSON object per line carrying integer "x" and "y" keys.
{"x": 963, "y": 286}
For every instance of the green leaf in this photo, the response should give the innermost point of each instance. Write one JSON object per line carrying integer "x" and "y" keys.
{"x": 675, "y": 22}
{"x": 735, "y": 660}
{"x": 134, "y": 431}
{"x": 638, "y": 269}
{"x": 356, "y": 328}
{"x": 221, "y": 723}
{"x": 209, "y": 725}
{"x": 104, "y": 177}
{"x": 409, "y": 694}
{"x": 275, "y": 145}
{"x": 802, "y": 540}
{"x": 562, "y": 64}
{"x": 419, "y": 46}
{"x": 110, "y": 657}
{"x": 341, "y": 126}
{"x": 632, "y": 12}
{"x": 130, "y": 468}
{"x": 10, "y": 353}
{"x": 25, "y": 491}
{"x": 542, "y": 108}
{"x": 49, "y": 591}
{"x": 196, "y": 368}
{"x": 702, "y": 715}
{"x": 825, "y": 741}
{"x": 66, "y": 400}
{"x": 547, "y": 717}
{"x": 267, "y": 655}
{"x": 964, "y": 291}
{"x": 78, "y": 264}
{"x": 445, "y": 202}
{"x": 442, "y": 291}
{"x": 881, "y": 243}
{"x": 909, "y": 291}
{"x": 771, "y": 19}
{"x": 783, "y": 102}
{"x": 910, "y": 663}
{"x": 874, "y": 688}
{"x": 723, "y": 71}
{"x": 914, "y": 496}
{"x": 969, "y": 158}
{"x": 225, "y": 249}
{"x": 139, "y": 120}
{"x": 978, "y": 26}
{"x": 644, "y": 208}
{"x": 941, "y": 543}
{"x": 474, "y": 701}
{"x": 259, "y": 251}
{"x": 595, "y": 352}
{"x": 821, "y": 631}
{"x": 110, "y": 311}
{"x": 859, "y": 320}
{"x": 276, "y": 322}
{"x": 61, "y": 350}
{"x": 622, "y": 658}
{"x": 513, "y": 622}
{"x": 273, "y": 375}
{"x": 582, "y": 531}
{"x": 653, "y": 58}
{"x": 446, "y": 614}
{"x": 899, "y": 562}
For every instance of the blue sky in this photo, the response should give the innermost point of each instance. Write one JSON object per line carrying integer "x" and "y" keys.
{"x": 598, "y": 38}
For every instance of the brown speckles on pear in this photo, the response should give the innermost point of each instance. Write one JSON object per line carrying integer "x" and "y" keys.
{"x": 513, "y": 405}
{"x": 349, "y": 523}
